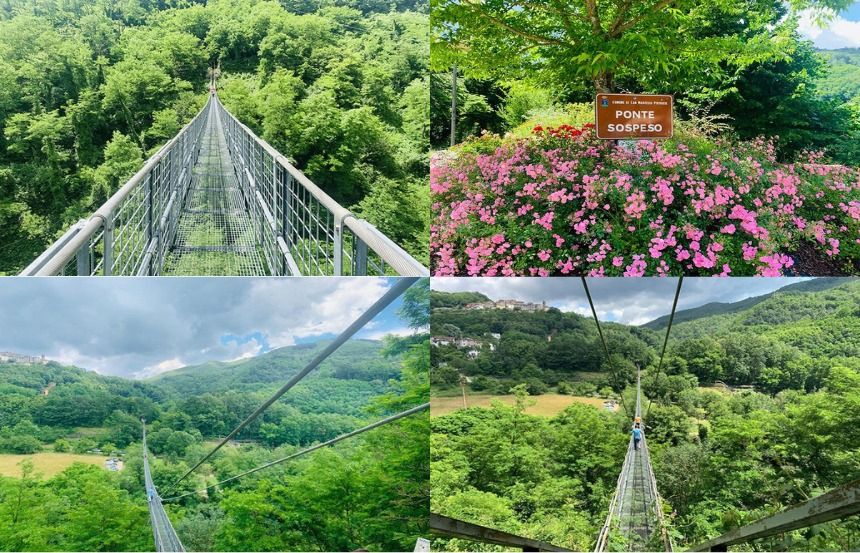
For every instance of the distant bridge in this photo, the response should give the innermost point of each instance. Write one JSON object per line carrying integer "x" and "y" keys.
{"x": 218, "y": 200}
{"x": 635, "y": 519}
{"x": 164, "y": 534}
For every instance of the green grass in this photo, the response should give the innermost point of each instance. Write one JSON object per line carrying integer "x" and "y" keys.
{"x": 47, "y": 464}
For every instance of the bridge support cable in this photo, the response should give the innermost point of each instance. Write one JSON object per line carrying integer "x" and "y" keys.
{"x": 241, "y": 208}
{"x": 362, "y": 430}
{"x": 397, "y": 289}
{"x": 838, "y": 503}
{"x": 600, "y": 333}
{"x": 162, "y": 530}
{"x": 668, "y": 330}
{"x": 454, "y": 528}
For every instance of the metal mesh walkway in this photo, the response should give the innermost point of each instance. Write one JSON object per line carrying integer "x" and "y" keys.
{"x": 216, "y": 234}
{"x": 635, "y": 513}
{"x": 162, "y": 530}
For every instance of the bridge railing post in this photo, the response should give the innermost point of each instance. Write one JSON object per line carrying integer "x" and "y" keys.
{"x": 107, "y": 238}
{"x": 338, "y": 247}
{"x": 150, "y": 230}
{"x": 360, "y": 258}
{"x": 82, "y": 260}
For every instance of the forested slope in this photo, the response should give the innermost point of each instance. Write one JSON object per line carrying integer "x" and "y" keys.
{"x": 88, "y": 90}
{"x": 722, "y": 457}
{"x": 338, "y": 499}
{"x": 787, "y": 339}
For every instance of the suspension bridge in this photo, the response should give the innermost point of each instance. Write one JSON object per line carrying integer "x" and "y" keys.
{"x": 218, "y": 200}
{"x": 635, "y": 520}
{"x": 164, "y": 534}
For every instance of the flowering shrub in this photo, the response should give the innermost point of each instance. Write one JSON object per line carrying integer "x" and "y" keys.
{"x": 563, "y": 202}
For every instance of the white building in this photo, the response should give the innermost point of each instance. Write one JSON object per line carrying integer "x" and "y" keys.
{"x": 10, "y": 357}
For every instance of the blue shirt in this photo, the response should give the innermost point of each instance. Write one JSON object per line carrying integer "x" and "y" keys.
{"x": 637, "y": 434}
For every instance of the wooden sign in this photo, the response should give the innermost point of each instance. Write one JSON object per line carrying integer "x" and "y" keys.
{"x": 633, "y": 115}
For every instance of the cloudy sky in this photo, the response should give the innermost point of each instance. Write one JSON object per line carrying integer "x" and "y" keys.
{"x": 841, "y": 32}
{"x": 140, "y": 327}
{"x": 626, "y": 300}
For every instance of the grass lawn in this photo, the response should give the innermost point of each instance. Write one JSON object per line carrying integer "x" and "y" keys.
{"x": 545, "y": 405}
{"x": 48, "y": 464}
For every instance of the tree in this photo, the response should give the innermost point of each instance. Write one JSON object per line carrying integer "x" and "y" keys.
{"x": 602, "y": 43}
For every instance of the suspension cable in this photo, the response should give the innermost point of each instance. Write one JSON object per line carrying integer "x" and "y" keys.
{"x": 398, "y": 288}
{"x": 666, "y": 338}
{"x": 305, "y": 451}
{"x": 602, "y": 339}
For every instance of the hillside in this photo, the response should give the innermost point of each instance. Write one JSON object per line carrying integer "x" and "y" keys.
{"x": 719, "y": 308}
{"x": 48, "y": 402}
{"x": 842, "y": 78}
{"x": 355, "y": 360}
{"x": 791, "y": 338}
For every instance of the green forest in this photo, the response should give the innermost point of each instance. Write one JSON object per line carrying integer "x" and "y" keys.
{"x": 757, "y": 407}
{"x": 369, "y": 492}
{"x": 738, "y": 69}
{"x": 89, "y": 90}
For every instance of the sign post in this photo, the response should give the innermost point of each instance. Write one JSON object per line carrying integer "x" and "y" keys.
{"x": 626, "y": 116}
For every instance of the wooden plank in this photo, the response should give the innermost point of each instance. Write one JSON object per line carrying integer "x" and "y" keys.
{"x": 454, "y": 528}
{"x": 838, "y": 503}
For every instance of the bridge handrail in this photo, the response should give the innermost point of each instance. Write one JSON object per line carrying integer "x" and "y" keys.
{"x": 393, "y": 255}
{"x": 837, "y": 503}
{"x": 70, "y": 247}
{"x": 603, "y": 536}
{"x": 658, "y": 505}
{"x": 456, "y": 528}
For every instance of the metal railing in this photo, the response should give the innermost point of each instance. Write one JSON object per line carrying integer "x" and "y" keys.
{"x": 132, "y": 231}
{"x": 836, "y": 504}
{"x": 303, "y": 230}
{"x": 649, "y": 509}
{"x": 300, "y": 230}
{"x": 454, "y": 528}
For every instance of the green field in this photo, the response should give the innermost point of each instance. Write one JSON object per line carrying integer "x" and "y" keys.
{"x": 46, "y": 464}
{"x": 545, "y": 405}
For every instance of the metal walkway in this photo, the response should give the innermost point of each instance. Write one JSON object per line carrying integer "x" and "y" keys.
{"x": 216, "y": 234}
{"x": 218, "y": 200}
{"x": 635, "y": 512}
{"x": 162, "y": 530}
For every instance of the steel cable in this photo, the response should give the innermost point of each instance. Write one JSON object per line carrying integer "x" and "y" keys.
{"x": 396, "y": 290}
{"x": 602, "y": 339}
{"x": 668, "y": 330}
{"x": 305, "y": 451}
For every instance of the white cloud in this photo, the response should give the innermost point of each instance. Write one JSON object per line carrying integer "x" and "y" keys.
{"x": 837, "y": 32}
{"x": 625, "y": 300}
{"x": 400, "y": 332}
{"x": 142, "y": 327}
{"x": 163, "y": 367}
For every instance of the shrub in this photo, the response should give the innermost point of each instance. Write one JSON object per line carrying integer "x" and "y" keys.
{"x": 563, "y": 202}
{"x": 19, "y": 444}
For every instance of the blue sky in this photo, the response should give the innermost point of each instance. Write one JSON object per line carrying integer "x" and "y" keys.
{"x": 626, "y": 300}
{"x": 141, "y": 327}
{"x": 842, "y": 32}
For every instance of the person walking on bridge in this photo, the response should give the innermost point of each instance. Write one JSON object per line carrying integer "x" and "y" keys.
{"x": 637, "y": 436}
